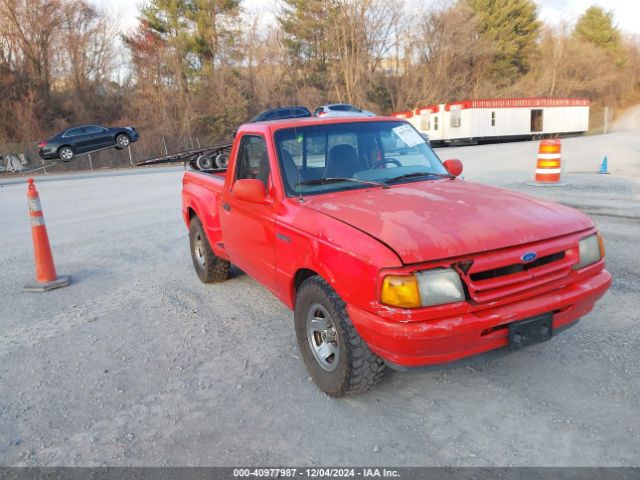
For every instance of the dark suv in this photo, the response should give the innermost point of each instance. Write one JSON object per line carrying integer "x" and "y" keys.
{"x": 281, "y": 113}
{"x": 84, "y": 139}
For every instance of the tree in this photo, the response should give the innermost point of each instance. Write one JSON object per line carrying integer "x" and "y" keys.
{"x": 362, "y": 37}
{"x": 176, "y": 48}
{"x": 596, "y": 26}
{"x": 336, "y": 46}
{"x": 30, "y": 29}
{"x": 513, "y": 28}
{"x": 216, "y": 30}
{"x": 307, "y": 40}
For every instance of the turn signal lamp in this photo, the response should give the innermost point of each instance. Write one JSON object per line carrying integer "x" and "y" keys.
{"x": 601, "y": 244}
{"x": 401, "y": 291}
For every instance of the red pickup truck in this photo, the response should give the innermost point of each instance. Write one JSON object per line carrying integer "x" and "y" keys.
{"x": 385, "y": 256}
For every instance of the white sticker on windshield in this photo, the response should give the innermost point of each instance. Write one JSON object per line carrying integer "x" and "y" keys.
{"x": 408, "y": 135}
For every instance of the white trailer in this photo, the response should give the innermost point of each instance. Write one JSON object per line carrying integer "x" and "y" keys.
{"x": 473, "y": 121}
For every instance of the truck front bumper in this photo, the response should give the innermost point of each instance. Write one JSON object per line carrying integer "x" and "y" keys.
{"x": 425, "y": 341}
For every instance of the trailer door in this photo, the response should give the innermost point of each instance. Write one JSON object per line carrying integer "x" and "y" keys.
{"x": 536, "y": 120}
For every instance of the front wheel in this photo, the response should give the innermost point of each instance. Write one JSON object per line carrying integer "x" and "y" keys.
{"x": 335, "y": 355}
{"x": 122, "y": 141}
{"x": 66, "y": 154}
{"x": 209, "y": 267}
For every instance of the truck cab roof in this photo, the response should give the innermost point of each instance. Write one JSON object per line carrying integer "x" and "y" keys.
{"x": 273, "y": 125}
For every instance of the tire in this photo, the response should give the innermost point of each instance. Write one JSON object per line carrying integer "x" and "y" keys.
{"x": 222, "y": 160}
{"x": 354, "y": 368}
{"x": 122, "y": 141}
{"x": 204, "y": 162}
{"x": 209, "y": 267}
{"x": 66, "y": 154}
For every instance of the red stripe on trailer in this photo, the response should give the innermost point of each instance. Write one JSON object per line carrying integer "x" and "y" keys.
{"x": 430, "y": 108}
{"x": 406, "y": 114}
{"x": 519, "y": 103}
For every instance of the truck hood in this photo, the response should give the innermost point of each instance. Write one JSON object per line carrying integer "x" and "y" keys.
{"x": 426, "y": 221}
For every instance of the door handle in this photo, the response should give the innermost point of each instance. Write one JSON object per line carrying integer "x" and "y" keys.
{"x": 226, "y": 206}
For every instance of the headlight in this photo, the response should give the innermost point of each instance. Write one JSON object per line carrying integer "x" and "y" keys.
{"x": 440, "y": 285}
{"x": 429, "y": 287}
{"x": 591, "y": 251}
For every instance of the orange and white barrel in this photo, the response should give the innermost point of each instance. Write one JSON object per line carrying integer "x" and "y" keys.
{"x": 549, "y": 167}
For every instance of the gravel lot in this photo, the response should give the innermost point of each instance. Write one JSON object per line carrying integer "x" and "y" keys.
{"x": 138, "y": 363}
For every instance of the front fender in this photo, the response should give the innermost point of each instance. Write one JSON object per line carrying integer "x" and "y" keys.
{"x": 347, "y": 258}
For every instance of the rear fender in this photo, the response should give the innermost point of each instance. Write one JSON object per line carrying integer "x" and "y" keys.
{"x": 203, "y": 202}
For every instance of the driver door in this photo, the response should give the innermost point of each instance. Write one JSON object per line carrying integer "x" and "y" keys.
{"x": 248, "y": 228}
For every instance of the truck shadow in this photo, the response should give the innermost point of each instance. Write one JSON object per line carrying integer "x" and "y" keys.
{"x": 235, "y": 272}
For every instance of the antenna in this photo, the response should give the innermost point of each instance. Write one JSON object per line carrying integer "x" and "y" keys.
{"x": 302, "y": 152}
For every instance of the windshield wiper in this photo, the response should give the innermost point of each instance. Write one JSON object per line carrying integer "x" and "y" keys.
{"x": 329, "y": 180}
{"x": 419, "y": 174}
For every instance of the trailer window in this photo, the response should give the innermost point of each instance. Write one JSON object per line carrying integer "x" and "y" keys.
{"x": 493, "y": 119}
{"x": 456, "y": 117}
{"x": 424, "y": 121}
{"x": 253, "y": 161}
{"x": 435, "y": 123}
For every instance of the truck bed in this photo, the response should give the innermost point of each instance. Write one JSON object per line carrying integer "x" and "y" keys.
{"x": 210, "y": 179}
{"x": 202, "y": 190}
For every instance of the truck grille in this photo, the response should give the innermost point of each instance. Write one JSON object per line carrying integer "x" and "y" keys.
{"x": 516, "y": 268}
{"x": 490, "y": 278}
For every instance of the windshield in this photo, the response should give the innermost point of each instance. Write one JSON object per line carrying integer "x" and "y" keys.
{"x": 344, "y": 108}
{"x": 332, "y": 157}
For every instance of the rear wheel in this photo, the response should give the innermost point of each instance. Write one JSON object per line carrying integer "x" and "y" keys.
{"x": 209, "y": 267}
{"x": 335, "y": 355}
{"x": 66, "y": 154}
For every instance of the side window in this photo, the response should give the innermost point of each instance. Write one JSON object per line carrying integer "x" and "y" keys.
{"x": 435, "y": 123}
{"x": 94, "y": 129}
{"x": 493, "y": 119}
{"x": 252, "y": 160}
{"x": 74, "y": 132}
{"x": 270, "y": 115}
{"x": 292, "y": 148}
{"x": 316, "y": 154}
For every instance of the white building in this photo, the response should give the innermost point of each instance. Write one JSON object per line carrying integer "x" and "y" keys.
{"x": 472, "y": 121}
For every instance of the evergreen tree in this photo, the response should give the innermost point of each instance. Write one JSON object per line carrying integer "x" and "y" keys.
{"x": 596, "y": 26}
{"x": 513, "y": 28}
{"x": 304, "y": 26}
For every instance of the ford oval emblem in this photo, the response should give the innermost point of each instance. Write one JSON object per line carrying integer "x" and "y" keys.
{"x": 529, "y": 257}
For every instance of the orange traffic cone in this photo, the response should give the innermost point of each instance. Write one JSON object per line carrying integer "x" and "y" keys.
{"x": 46, "y": 277}
{"x": 548, "y": 169}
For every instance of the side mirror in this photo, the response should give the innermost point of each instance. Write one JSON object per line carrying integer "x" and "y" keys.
{"x": 250, "y": 190}
{"x": 454, "y": 167}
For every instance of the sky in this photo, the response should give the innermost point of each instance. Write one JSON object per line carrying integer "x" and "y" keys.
{"x": 555, "y": 12}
